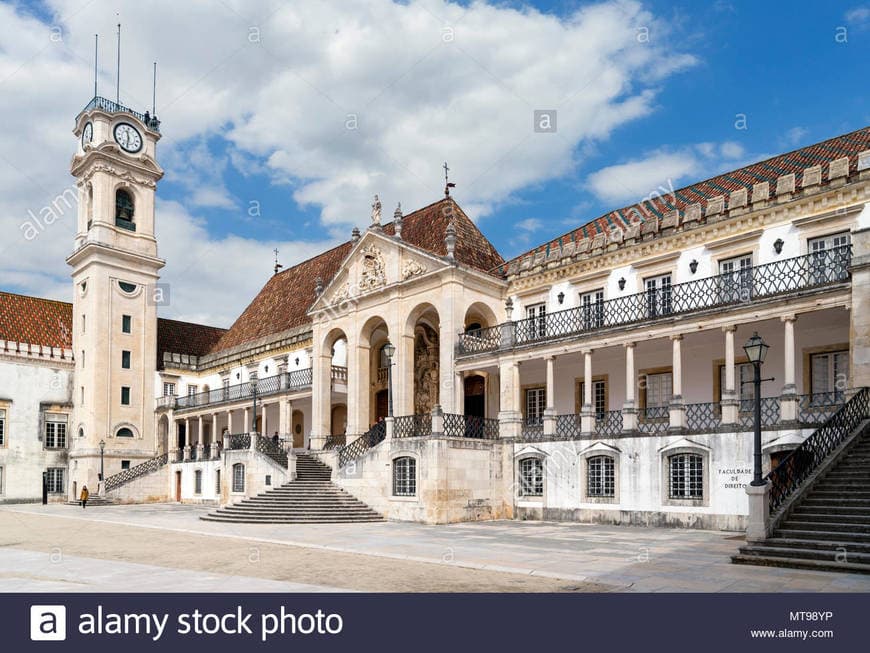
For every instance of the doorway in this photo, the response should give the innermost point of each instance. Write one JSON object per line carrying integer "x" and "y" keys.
{"x": 178, "y": 486}
{"x": 475, "y": 396}
{"x": 382, "y": 400}
{"x": 298, "y": 421}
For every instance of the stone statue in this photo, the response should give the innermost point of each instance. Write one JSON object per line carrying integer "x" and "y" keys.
{"x": 376, "y": 212}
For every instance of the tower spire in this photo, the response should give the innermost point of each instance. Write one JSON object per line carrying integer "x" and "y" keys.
{"x": 96, "y": 60}
{"x": 278, "y": 266}
{"x": 118, "y": 70}
{"x": 447, "y": 183}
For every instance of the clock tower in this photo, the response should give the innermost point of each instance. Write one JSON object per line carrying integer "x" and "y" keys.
{"x": 115, "y": 271}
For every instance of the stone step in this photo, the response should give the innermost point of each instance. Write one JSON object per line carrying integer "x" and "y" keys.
{"x": 806, "y": 553}
{"x": 849, "y": 526}
{"x": 832, "y": 513}
{"x": 835, "y": 501}
{"x": 800, "y": 563}
{"x": 820, "y": 544}
{"x": 832, "y": 535}
{"x": 291, "y": 520}
{"x": 824, "y": 493}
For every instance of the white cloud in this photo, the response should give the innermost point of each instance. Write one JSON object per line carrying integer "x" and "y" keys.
{"x": 859, "y": 16}
{"x": 424, "y": 81}
{"x": 795, "y": 136}
{"x": 662, "y": 171}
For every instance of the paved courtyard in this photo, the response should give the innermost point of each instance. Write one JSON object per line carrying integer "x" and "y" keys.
{"x": 167, "y": 548}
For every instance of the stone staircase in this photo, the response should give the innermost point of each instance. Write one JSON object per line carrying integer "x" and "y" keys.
{"x": 311, "y": 499}
{"x": 93, "y": 500}
{"x": 829, "y": 527}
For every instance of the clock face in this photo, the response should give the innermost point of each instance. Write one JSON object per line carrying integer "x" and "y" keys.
{"x": 127, "y": 137}
{"x": 87, "y": 134}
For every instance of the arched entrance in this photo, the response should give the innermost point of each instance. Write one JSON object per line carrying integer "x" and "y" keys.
{"x": 374, "y": 337}
{"x": 475, "y": 396}
{"x": 339, "y": 419}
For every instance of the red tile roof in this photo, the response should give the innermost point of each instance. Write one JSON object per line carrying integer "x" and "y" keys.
{"x": 847, "y": 145}
{"x": 35, "y": 321}
{"x": 184, "y": 338}
{"x": 283, "y": 302}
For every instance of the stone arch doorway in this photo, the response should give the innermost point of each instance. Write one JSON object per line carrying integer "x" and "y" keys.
{"x": 475, "y": 395}
{"x": 374, "y": 337}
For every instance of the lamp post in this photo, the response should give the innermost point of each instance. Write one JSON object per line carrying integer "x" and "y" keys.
{"x": 756, "y": 350}
{"x": 102, "y": 453}
{"x": 389, "y": 350}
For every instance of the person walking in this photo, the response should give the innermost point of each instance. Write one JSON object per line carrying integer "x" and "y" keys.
{"x": 84, "y": 496}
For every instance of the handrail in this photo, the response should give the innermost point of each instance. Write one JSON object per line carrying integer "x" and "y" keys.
{"x": 111, "y": 106}
{"x": 117, "y": 480}
{"x": 269, "y": 385}
{"x": 800, "y": 464}
{"x": 813, "y": 270}
{"x": 363, "y": 443}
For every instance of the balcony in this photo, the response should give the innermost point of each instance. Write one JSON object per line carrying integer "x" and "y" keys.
{"x": 813, "y": 271}
{"x": 110, "y": 106}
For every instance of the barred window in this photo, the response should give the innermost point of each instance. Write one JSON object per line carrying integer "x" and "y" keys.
{"x": 2, "y": 428}
{"x": 405, "y": 477}
{"x": 54, "y": 480}
{"x": 55, "y": 431}
{"x": 531, "y": 477}
{"x": 197, "y": 482}
{"x": 537, "y": 316}
{"x": 168, "y": 389}
{"x": 600, "y": 476}
{"x": 536, "y": 402}
{"x": 238, "y": 477}
{"x": 686, "y": 476}
{"x": 599, "y": 397}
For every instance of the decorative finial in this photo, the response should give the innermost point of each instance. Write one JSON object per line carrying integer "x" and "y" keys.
{"x": 376, "y": 212}
{"x": 509, "y": 308}
{"x": 447, "y": 183}
{"x": 354, "y": 235}
{"x": 450, "y": 240}
{"x": 397, "y": 220}
{"x": 318, "y": 287}
{"x": 278, "y": 266}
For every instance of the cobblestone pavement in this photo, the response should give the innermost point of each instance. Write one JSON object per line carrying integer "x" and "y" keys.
{"x": 392, "y": 556}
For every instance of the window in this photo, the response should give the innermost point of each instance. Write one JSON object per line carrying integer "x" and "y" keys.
{"x": 600, "y": 476}
{"x": 81, "y": 432}
{"x": 125, "y": 359}
{"x": 405, "y": 477}
{"x": 54, "y": 480}
{"x": 238, "y": 477}
{"x": 168, "y": 389}
{"x": 536, "y": 402}
{"x": 55, "y": 431}
{"x": 125, "y": 464}
{"x": 268, "y": 479}
{"x": 124, "y": 433}
{"x": 82, "y": 395}
{"x": 659, "y": 388}
{"x": 592, "y": 307}
{"x": 735, "y": 279}
{"x": 2, "y": 428}
{"x": 2, "y": 490}
{"x": 829, "y": 372}
{"x": 83, "y": 358}
{"x": 124, "y": 210}
{"x": 126, "y": 324}
{"x": 125, "y": 395}
{"x": 191, "y": 390}
{"x": 829, "y": 258}
{"x": 127, "y": 287}
{"x": 686, "y": 474}
{"x": 537, "y": 315}
{"x": 84, "y": 323}
{"x": 742, "y": 384}
{"x": 531, "y": 477}
{"x": 599, "y": 397}
{"x": 197, "y": 482}
{"x": 658, "y": 295}
{"x": 217, "y": 482}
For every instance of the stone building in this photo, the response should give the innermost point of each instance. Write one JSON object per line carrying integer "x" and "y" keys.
{"x": 597, "y": 377}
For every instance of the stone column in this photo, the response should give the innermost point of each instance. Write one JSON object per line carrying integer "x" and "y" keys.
{"x": 730, "y": 404}
{"x": 199, "y": 429}
{"x": 459, "y": 389}
{"x": 587, "y": 411}
{"x": 403, "y": 375}
{"x": 510, "y": 415}
{"x": 188, "y": 433}
{"x": 247, "y": 420}
{"x": 285, "y": 411}
{"x": 437, "y": 421}
{"x": 789, "y": 399}
{"x": 215, "y": 436}
{"x": 230, "y": 422}
{"x": 677, "y": 408}
{"x": 265, "y": 429}
{"x": 321, "y": 397}
{"x": 550, "y": 409}
{"x": 629, "y": 408}
{"x": 859, "y": 312}
{"x": 450, "y": 325}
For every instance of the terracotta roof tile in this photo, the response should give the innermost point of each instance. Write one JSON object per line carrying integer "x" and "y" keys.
{"x": 184, "y": 338}
{"x": 35, "y": 320}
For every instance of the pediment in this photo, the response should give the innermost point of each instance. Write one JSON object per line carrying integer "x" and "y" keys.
{"x": 529, "y": 450}
{"x": 683, "y": 443}
{"x": 599, "y": 448}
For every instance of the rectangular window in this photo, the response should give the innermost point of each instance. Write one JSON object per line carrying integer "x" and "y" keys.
{"x": 125, "y": 464}
{"x": 125, "y": 359}
{"x": 82, "y": 396}
{"x": 829, "y": 372}
{"x": 83, "y": 358}
{"x": 55, "y": 431}
{"x": 84, "y": 323}
{"x": 829, "y": 258}
{"x": 405, "y": 477}
{"x": 197, "y": 482}
{"x": 735, "y": 279}
{"x": 658, "y": 295}
{"x": 600, "y": 477}
{"x": 659, "y": 389}
{"x": 686, "y": 475}
{"x": 126, "y": 324}
{"x": 217, "y": 482}
{"x": 54, "y": 480}
{"x": 599, "y": 396}
{"x": 2, "y": 428}
{"x": 125, "y": 395}
{"x": 191, "y": 390}
{"x": 592, "y": 307}
{"x": 238, "y": 477}
{"x": 531, "y": 477}
{"x": 168, "y": 389}
{"x": 537, "y": 316}
{"x": 536, "y": 402}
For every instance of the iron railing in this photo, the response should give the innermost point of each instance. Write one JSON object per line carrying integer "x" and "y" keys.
{"x": 814, "y": 270}
{"x": 470, "y": 426}
{"x": 334, "y": 442}
{"x": 704, "y": 417}
{"x": 117, "y": 480}
{"x": 818, "y": 408}
{"x": 800, "y": 464}
{"x": 533, "y": 429}
{"x": 654, "y": 420}
{"x": 410, "y": 426}
{"x": 269, "y": 385}
{"x": 770, "y": 413}
{"x": 267, "y": 447}
{"x": 110, "y": 106}
{"x": 362, "y": 444}
{"x": 240, "y": 441}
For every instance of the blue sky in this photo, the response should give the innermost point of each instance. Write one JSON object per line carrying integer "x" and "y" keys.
{"x": 253, "y": 96}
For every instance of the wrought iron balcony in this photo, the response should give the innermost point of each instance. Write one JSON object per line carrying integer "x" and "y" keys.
{"x": 110, "y": 106}
{"x": 470, "y": 426}
{"x": 789, "y": 276}
{"x": 270, "y": 385}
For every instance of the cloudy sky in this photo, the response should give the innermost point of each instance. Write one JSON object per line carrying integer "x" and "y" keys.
{"x": 281, "y": 120}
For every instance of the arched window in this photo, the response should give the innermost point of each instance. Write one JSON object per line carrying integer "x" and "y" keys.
{"x": 81, "y": 432}
{"x": 405, "y": 477}
{"x": 124, "y": 433}
{"x": 686, "y": 476}
{"x": 124, "y": 210}
{"x": 238, "y": 477}
{"x": 531, "y": 477}
{"x": 600, "y": 476}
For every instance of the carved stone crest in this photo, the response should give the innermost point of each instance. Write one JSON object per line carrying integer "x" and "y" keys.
{"x": 412, "y": 268}
{"x": 372, "y": 274}
{"x": 341, "y": 294}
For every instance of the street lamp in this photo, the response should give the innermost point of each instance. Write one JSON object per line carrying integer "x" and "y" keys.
{"x": 102, "y": 452}
{"x": 389, "y": 350}
{"x": 756, "y": 350}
